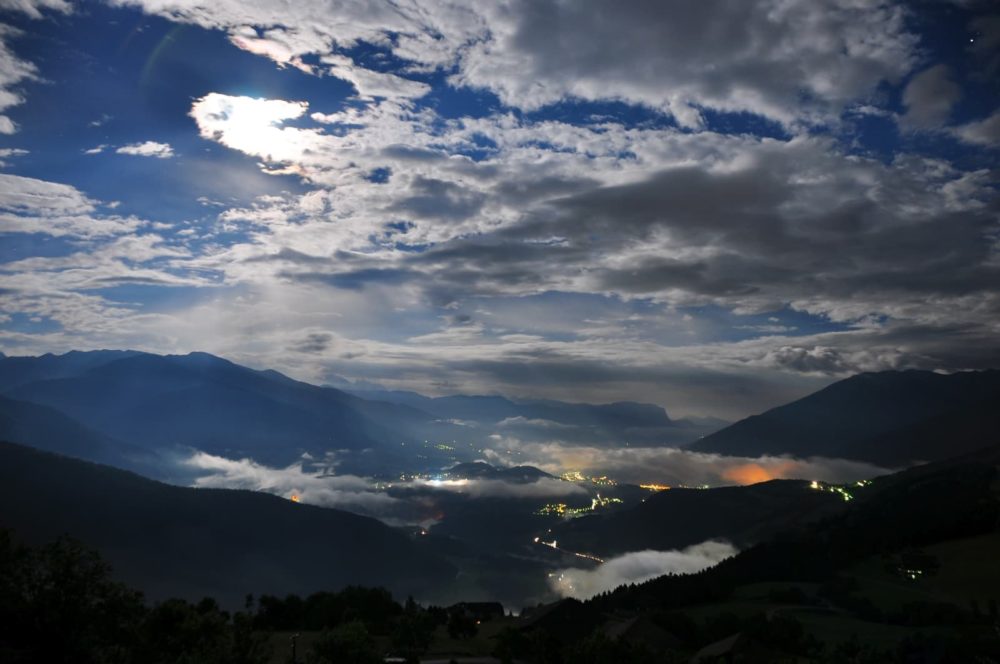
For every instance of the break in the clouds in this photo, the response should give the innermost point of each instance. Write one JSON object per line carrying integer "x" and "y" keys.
{"x": 637, "y": 567}
{"x": 716, "y": 208}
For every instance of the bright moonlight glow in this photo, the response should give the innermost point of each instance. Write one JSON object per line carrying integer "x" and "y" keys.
{"x": 254, "y": 126}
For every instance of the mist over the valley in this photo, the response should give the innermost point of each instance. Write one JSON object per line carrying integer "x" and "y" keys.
{"x": 637, "y": 567}
{"x": 318, "y": 483}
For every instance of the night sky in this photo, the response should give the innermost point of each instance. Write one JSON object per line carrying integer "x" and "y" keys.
{"x": 713, "y": 206}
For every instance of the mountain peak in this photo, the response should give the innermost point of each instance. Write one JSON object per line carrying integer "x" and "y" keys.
{"x": 870, "y": 417}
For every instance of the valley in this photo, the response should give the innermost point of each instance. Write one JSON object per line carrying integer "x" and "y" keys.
{"x": 447, "y": 507}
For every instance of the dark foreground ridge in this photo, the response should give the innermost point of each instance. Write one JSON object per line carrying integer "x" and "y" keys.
{"x": 905, "y": 572}
{"x": 181, "y": 542}
{"x": 680, "y": 517}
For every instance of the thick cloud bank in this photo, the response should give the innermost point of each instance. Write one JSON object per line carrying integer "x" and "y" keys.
{"x": 673, "y": 466}
{"x": 637, "y": 567}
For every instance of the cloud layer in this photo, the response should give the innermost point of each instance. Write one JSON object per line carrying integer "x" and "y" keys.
{"x": 411, "y": 501}
{"x": 764, "y": 59}
{"x": 637, "y": 567}
{"x": 673, "y": 466}
{"x": 659, "y": 202}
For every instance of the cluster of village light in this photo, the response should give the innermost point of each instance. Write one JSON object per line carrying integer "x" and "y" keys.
{"x": 555, "y": 545}
{"x": 562, "y": 509}
{"x": 577, "y": 476}
{"x": 844, "y": 493}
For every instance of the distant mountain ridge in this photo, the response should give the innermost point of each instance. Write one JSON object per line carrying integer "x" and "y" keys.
{"x": 609, "y": 424}
{"x": 200, "y": 401}
{"x": 165, "y": 403}
{"x": 19, "y": 370}
{"x": 892, "y": 418}
{"x": 497, "y": 408}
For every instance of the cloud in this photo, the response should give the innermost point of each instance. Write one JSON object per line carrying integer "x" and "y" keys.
{"x": 13, "y": 72}
{"x": 761, "y": 57}
{"x": 929, "y": 98}
{"x": 147, "y": 149}
{"x": 33, "y": 8}
{"x": 7, "y": 153}
{"x": 253, "y": 126}
{"x": 596, "y": 257}
{"x": 543, "y": 487}
{"x": 637, "y": 567}
{"x": 681, "y": 239}
{"x": 524, "y": 422}
{"x": 270, "y": 45}
{"x": 313, "y": 485}
{"x": 315, "y": 482}
{"x": 129, "y": 259}
{"x": 371, "y": 84}
{"x": 673, "y": 466}
{"x": 789, "y": 61}
{"x": 809, "y": 359}
{"x": 982, "y": 132}
{"x": 30, "y": 205}
{"x": 314, "y": 342}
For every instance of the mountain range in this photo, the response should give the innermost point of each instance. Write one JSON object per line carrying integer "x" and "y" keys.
{"x": 890, "y": 418}
{"x": 129, "y": 407}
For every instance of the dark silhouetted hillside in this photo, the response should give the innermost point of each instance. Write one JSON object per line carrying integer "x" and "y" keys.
{"x": 678, "y": 518}
{"x": 892, "y": 417}
{"x": 47, "y": 429}
{"x": 937, "y": 502}
{"x": 175, "y": 541}
{"x": 959, "y": 430}
{"x": 483, "y": 470}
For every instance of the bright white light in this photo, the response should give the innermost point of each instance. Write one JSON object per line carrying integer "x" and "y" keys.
{"x": 253, "y": 126}
{"x": 446, "y": 484}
